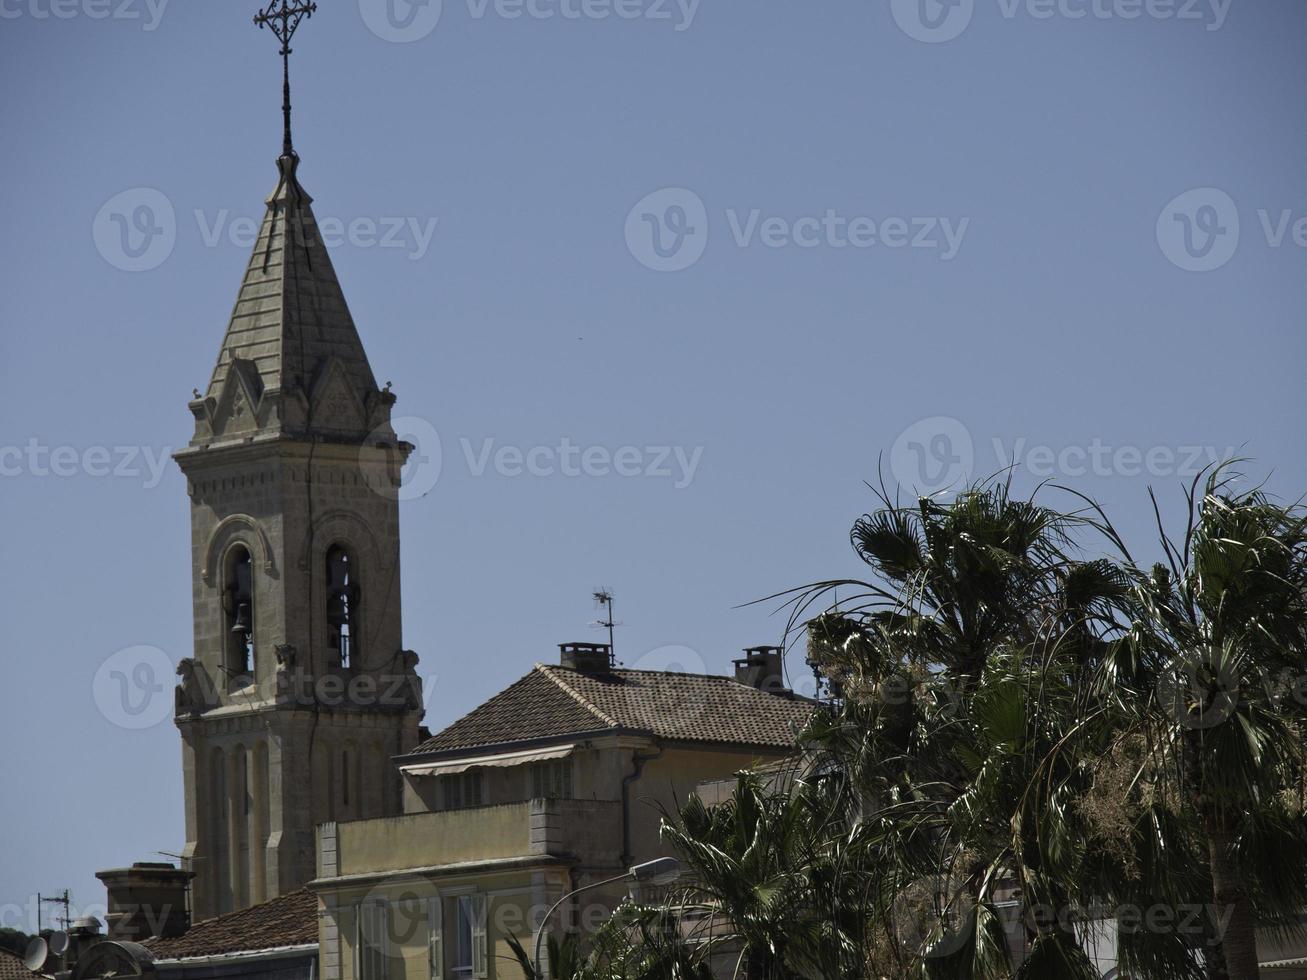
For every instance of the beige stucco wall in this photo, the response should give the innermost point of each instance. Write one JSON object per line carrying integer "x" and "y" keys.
{"x": 669, "y": 780}
{"x": 425, "y": 839}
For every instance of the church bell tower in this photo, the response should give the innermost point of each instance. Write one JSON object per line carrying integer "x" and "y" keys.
{"x": 299, "y": 691}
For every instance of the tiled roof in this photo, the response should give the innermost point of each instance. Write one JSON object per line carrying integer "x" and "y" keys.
{"x": 12, "y": 968}
{"x": 559, "y": 701}
{"x": 289, "y": 920}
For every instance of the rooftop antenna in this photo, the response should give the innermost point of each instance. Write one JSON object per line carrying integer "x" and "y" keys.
{"x": 59, "y": 899}
{"x": 182, "y": 858}
{"x": 604, "y": 599}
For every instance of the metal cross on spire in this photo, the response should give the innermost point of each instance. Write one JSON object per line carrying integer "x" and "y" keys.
{"x": 283, "y": 17}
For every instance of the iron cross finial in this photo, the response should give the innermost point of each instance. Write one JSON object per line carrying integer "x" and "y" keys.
{"x": 283, "y": 17}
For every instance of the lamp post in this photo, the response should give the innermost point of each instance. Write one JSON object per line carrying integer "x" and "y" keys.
{"x": 657, "y": 868}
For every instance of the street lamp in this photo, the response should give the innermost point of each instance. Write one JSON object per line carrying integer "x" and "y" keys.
{"x": 649, "y": 871}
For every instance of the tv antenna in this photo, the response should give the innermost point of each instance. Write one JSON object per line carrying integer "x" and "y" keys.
{"x": 604, "y": 599}
{"x": 60, "y": 899}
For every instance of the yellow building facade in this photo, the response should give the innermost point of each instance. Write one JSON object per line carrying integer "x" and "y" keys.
{"x": 559, "y": 782}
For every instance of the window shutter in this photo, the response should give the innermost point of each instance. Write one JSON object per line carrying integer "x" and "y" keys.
{"x": 480, "y": 961}
{"x": 436, "y": 938}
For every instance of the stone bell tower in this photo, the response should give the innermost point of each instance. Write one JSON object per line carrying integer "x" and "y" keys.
{"x": 299, "y": 691}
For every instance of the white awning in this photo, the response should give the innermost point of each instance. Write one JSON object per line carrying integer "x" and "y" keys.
{"x": 499, "y": 760}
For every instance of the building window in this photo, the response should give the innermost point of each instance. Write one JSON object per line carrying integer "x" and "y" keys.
{"x": 371, "y": 955}
{"x": 238, "y": 609}
{"x": 342, "y": 606}
{"x": 551, "y": 780}
{"x": 467, "y": 939}
{"x": 462, "y": 790}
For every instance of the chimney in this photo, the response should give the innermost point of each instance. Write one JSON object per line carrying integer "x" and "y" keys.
{"x": 762, "y": 668}
{"x": 146, "y": 900}
{"x": 83, "y": 933}
{"x": 588, "y": 658}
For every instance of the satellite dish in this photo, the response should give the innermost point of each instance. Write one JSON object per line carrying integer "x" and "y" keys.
{"x": 58, "y": 943}
{"x": 37, "y": 953}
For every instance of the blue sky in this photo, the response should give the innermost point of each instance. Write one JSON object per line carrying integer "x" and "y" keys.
{"x": 787, "y": 241}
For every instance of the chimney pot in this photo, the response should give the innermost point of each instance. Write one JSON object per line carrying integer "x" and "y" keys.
{"x": 588, "y": 658}
{"x": 762, "y": 668}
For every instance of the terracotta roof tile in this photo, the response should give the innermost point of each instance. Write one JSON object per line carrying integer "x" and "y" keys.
{"x": 559, "y": 701}
{"x": 289, "y": 920}
{"x": 12, "y": 968}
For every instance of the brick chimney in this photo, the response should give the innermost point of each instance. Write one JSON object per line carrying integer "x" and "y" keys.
{"x": 146, "y": 900}
{"x": 762, "y": 668}
{"x": 588, "y": 658}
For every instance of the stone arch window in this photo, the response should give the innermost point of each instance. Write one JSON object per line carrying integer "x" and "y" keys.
{"x": 238, "y": 610}
{"x": 343, "y": 606}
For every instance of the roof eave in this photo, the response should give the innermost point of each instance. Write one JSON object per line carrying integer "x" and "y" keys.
{"x": 240, "y": 955}
{"x": 489, "y": 748}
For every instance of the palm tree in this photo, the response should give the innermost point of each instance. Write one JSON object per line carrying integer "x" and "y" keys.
{"x": 754, "y": 862}
{"x": 970, "y": 733}
{"x": 1209, "y": 676}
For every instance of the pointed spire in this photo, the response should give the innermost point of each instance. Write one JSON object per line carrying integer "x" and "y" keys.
{"x": 291, "y": 362}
